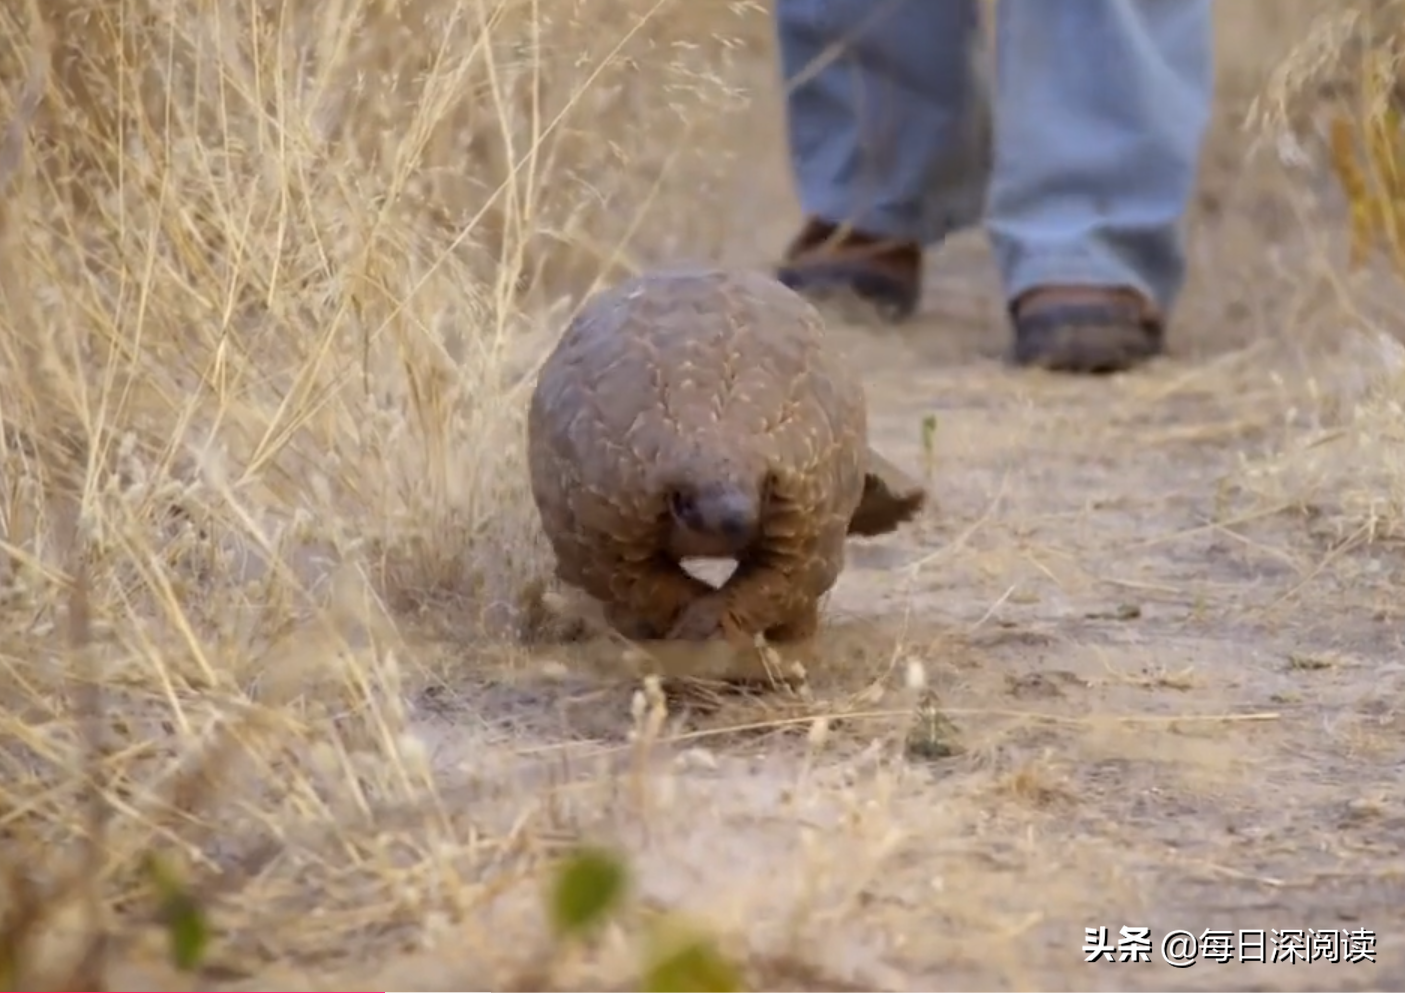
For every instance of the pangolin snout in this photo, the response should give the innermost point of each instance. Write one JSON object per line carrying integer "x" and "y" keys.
{"x": 725, "y": 512}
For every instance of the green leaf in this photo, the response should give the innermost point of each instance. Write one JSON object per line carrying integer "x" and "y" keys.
{"x": 8, "y": 966}
{"x": 929, "y": 433}
{"x": 187, "y": 929}
{"x": 589, "y": 886}
{"x": 690, "y": 964}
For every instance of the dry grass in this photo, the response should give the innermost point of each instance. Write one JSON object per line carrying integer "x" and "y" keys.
{"x": 274, "y": 275}
{"x": 1339, "y": 461}
{"x": 267, "y": 271}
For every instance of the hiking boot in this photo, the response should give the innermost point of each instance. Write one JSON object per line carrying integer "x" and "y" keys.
{"x": 825, "y": 259}
{"x": 1084, "y": 329}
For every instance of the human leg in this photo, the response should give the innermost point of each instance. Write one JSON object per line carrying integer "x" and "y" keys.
{"x": 888, "y": 137}
{"x": 1101, "y": 109}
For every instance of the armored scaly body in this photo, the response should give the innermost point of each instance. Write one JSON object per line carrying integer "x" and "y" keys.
{"x": 701, "y": 413}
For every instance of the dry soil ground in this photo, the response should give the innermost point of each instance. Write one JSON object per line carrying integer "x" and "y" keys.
{"x": 1157, "y": 622}
{"x": 1167, "y": 649}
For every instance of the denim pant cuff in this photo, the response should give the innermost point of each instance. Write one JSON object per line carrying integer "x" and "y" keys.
{"x": 903, "y": 224}
{"x": 1026, "y": 271}
{"x": 929, "y": 225}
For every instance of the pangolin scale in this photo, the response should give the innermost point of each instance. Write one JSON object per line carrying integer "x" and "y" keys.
{"x": 701, "y": 413}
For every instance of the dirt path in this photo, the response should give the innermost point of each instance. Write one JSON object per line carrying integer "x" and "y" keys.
{"x": 1173, "y": 695}
{"x": 1155, "y": 738}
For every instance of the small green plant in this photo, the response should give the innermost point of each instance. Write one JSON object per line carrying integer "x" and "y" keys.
{"x": 591, "y": 886}
{"x": 187, "y": 927}
{"x": 588, "y": 888}
{"x": 678, "y": 959}
{"x": 929, "y": 444}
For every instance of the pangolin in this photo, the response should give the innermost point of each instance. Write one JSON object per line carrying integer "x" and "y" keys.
{"x": 701, "y": 413}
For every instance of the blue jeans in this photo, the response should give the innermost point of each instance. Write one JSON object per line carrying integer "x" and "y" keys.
{"x": 1082, "y": 164}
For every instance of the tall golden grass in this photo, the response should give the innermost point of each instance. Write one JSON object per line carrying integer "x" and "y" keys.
{"x": 265, "y": 269}
{"x": 1338, "y": 98}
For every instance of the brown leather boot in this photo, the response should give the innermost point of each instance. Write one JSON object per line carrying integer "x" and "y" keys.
{"x": 1085, "y": 329}
{"x": 825, "y": 258}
